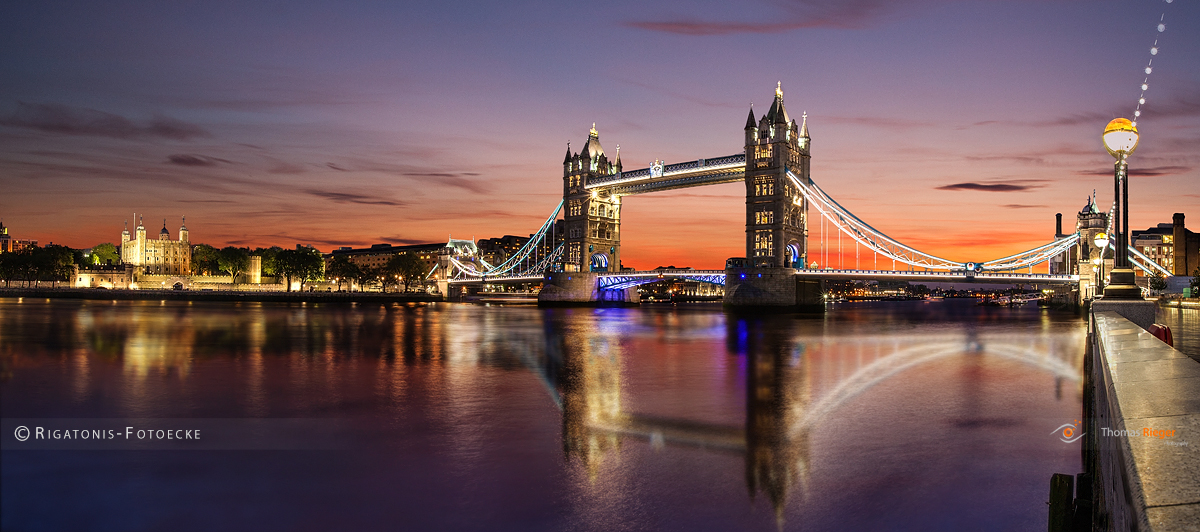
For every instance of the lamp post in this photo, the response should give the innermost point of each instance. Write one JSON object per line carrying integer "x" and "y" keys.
{"x": 1120, "y": 139}
{"x": 1101, "y": 241}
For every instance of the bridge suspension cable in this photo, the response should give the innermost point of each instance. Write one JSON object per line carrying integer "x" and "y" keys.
{"x": 526, "y": 261}
{"x": 1137, "y": 258}
{"x": 875, "y": 240}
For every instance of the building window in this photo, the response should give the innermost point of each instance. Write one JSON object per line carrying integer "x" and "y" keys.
{"x": 764, "y": 244}
{"x": 764, "y": 217}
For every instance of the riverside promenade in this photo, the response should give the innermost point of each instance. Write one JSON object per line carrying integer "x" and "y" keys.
{"x": 1142, "y": 431}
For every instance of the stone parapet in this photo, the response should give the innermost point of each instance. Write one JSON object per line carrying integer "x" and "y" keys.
{"x": 1139, "y": 311}
{"x": 1142, "y": 429}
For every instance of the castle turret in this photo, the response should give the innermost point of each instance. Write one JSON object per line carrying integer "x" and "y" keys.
{"x": 183, "y": 232}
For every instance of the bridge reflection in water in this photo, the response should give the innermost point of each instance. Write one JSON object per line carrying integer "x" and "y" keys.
{"x": 793, "y": 382}
{"x": 923, "y": 412}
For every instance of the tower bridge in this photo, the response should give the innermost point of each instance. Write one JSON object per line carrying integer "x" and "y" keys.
{"x": 577, "y": 258}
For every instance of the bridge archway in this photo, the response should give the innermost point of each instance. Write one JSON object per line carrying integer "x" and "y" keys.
{"x": 599, "y": 262}
{"x": 792, "y": 257}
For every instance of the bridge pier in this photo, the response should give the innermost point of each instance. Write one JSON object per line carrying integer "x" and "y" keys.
{"x": 773, "y": 288}
{"x": 583, "y": 289}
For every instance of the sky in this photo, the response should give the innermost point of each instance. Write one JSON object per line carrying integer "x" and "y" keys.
{"x": 959, "y": 128}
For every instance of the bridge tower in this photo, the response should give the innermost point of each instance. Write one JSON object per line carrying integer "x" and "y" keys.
{"x": 776, "y": 212}
{"x": 1090, "y": 222}
{"x": 592, "y": 217}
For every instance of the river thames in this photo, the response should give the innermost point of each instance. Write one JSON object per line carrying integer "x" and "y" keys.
{"x": 922, "y": 415}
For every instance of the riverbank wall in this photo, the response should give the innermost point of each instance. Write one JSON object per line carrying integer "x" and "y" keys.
{"x": 215, "y": 295}
{"x": 1141, "y": 446}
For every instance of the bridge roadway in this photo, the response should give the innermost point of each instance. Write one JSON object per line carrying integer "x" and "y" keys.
{"x": 620, "y": 280}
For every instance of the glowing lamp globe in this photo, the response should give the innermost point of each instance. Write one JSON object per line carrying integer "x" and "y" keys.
{"x": 1120, "y": 137}
{"x": 1101, "y": 240}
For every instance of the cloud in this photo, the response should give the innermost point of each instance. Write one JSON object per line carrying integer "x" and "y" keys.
{"x": 344, "y": 197}
{"x": 67, "y": 120}
{"x": 878, "y": 121}
{"x": 1153, "y": 110}
{"x": 1179, "y": 106}
{"x": 453, "y": 180}
{"x": 184, "y": 159}
{"x": 1008, "y": 158}
{"x": 277, "y": 237}
{"x": 845, "y": 14}
{"x": 1013, "y": 186}
{"x": 402, "y": 240}
{"x": 1020, "y": 206}
{"x": 281, "y": 167}
{"x": 1153, "y": 171}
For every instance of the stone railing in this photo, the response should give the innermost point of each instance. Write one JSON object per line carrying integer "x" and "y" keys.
{"x": 1142, "y": 443}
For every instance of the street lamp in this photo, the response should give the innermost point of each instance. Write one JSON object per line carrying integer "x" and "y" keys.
{"x": 1120, "y": 139}
{"x": 1101, "y": 241}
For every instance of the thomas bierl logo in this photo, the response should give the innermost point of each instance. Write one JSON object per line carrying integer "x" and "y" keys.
{"x": 1067, "y": 432}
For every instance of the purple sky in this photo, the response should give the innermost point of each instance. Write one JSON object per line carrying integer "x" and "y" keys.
{"x": 957, "y": 127}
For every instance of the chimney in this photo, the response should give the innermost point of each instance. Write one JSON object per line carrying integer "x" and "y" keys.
{"x": 1179, "y": 245}
{"x": 1057, "y": 225}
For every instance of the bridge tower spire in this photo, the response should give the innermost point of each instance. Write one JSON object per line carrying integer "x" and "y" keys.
{"x": 592, "y": 217}
{"x": 776, "y": 211}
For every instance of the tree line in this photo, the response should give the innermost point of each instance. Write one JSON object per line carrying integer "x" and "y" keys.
{"x": 405, "y": 269}
{"x": 34, "y": 264}
{"x": 53, "y": 263}
{"x": 302, "y": 264}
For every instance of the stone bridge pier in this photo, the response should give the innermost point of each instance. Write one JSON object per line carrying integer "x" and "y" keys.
{"x": 583, "y": 289}
{"x": 772, "y": 288}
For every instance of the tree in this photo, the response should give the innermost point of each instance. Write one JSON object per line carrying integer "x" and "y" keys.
{"x": 303, "y": 263}
{"x": 367, "y": 275}
{"x": 1157, "y": 281}
{"x": 406, "y": 266}
{"x": 105, "y": 253}
{"x": 269, "y": 266}
{"x": 52, "y": 263}
{"x": 233, "y": 260}
{"x": 205, "y": 260}
{"x": 23, "y": 266}
{"x": 12, "y": 265}
{"x": 341, "y": 269}
{"x": 1195, "y": 284}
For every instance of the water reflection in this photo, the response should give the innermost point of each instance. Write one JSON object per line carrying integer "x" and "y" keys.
{"x": 788, "y": 406}
{"x": 794, "y": 380}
